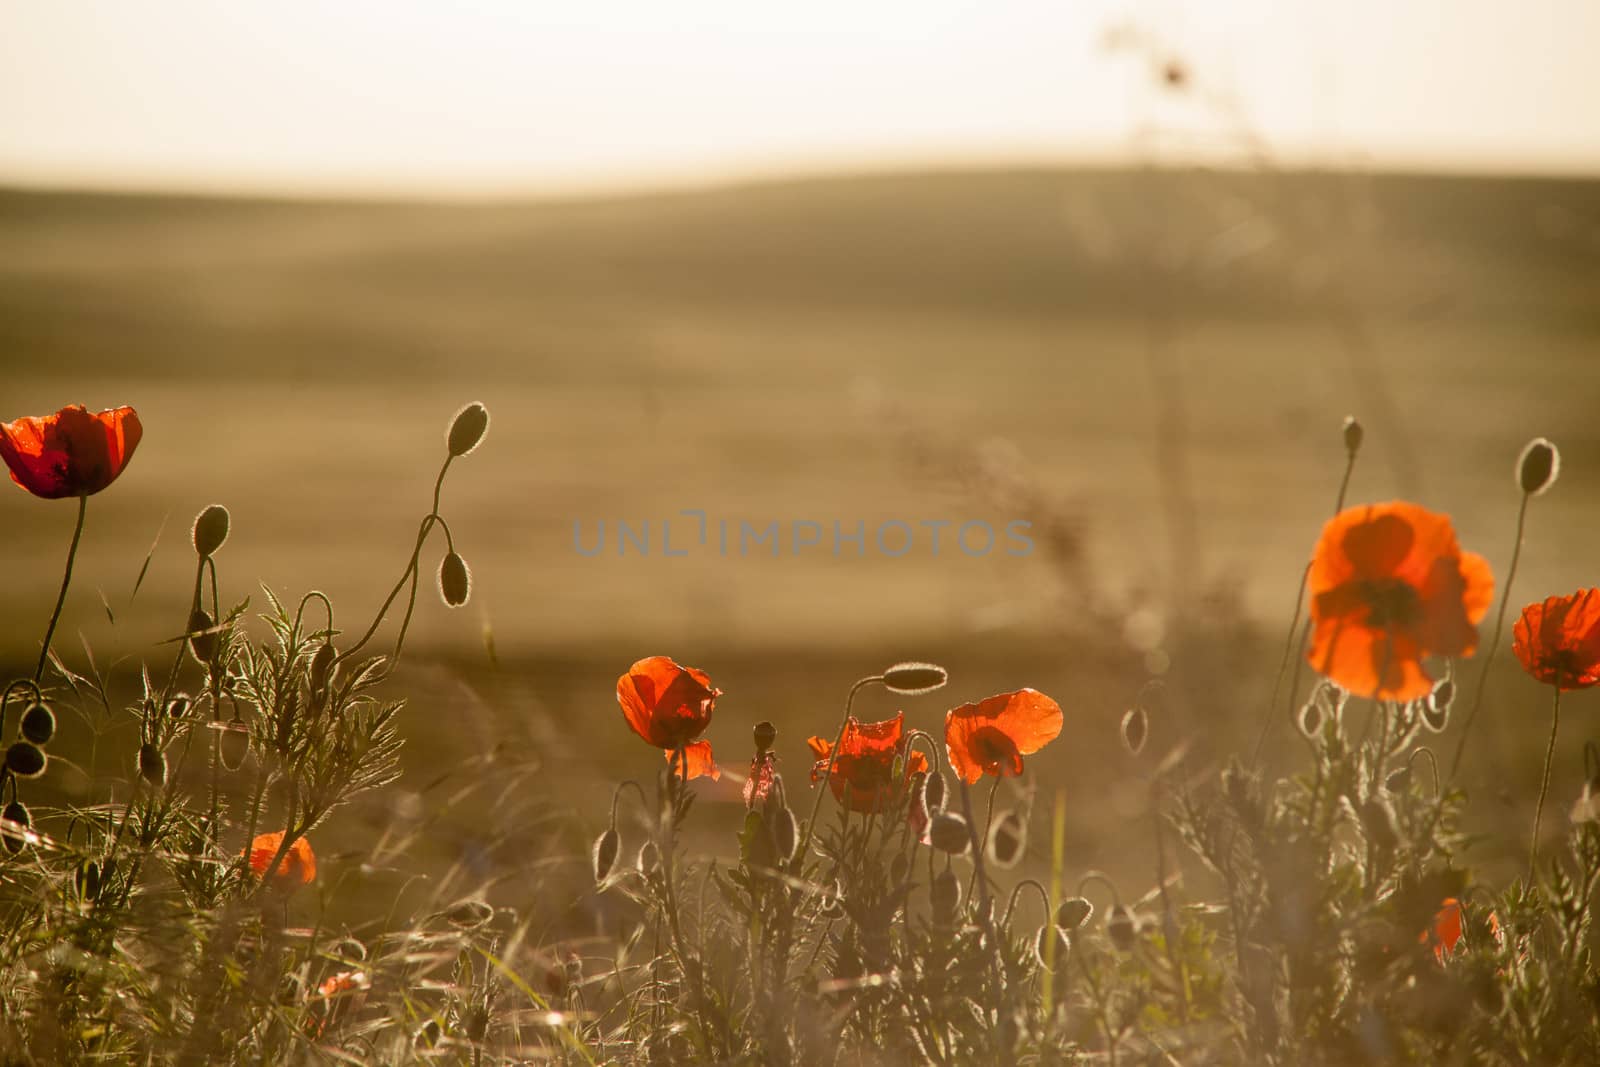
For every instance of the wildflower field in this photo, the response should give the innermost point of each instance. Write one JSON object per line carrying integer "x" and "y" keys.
{"x": 333, "y": 745}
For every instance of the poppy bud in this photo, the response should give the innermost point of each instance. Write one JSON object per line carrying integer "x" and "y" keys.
{"x": 428, "y": 1034}
{"x": 234, "y": 745}
{"x": 201, "y": 643}
{"x": 1398, "y": 781}
{"x": 1006, "y": 840}
{"x": 605, "y": 853}
{"x": 152, "y": 764}
{"x": 1538, "y": 466}
{"x": 1121, "y": 927}
{"x": 210, "y": 530}
{"x": 944, "y": 896}
{"x": 1135, "y": 728}
{"x": 1073, "y": 913}
{"x": 784, "y": 834}
{"x": 649, "y": 858}
{"x": 86, "y": 880}
{"x": 949, "y": 833}
{"x": 25, "y": 760}
{"x": 1310, "y": 719}
{"x": 38, "y": 724}
{"x": 1353, "y": 433}
{"x": 469, "y": 913}
{"x": 1042, "y": 947}
{"x": 913, "y": 679}
{"x": 455, "y": 581}
{"x": 933, "y": 791}
{"x": 467, "y": 429}
{"x": 765, "y": 734}
{"x": 178, "y": 706}
{"x": 1377, "y": 818}
{"x": 321, "y": 667}
{"x": 832, "y": 903}
{"x": 14, "y": 836}
{"x": 476, "y": 1023}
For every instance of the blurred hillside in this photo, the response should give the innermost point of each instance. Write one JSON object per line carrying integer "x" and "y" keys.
{"x": 1150, "y": 367}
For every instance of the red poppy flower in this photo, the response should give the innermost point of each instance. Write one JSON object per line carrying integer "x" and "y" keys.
{"x": 992, "y": 736}
{"x": 343, "y": 982}
{"x": 1558, "y": 641}
{"x": 70, "y": 453}
{"x": 1446, "y": 932}
{"x": 669, "y": 706}
{"x": 298, "y": 866}
{"x": 863, "y": 771}
{"x": 1389, "y": 585}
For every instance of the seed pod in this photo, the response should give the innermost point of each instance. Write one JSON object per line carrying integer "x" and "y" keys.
{"x": 933, "y": 791}
{"x": 913, "y": 679}
{"x": 25, "y": 759}
{"x": 765, "y": 734}
{"x": 944, "y": 896}
{"x": 1310, "y": 719}
{"x": 210, "y": 530}
{"x": 86, "y": 880}
{"x": 948, "y": 833}
{"x": 1073, "y": 913}
{"x": 1007, "y": 840}
{"x": 1121, "y": 927}
{"x": 605, "y": 853}
{"x": 1538, "y": 466}
{"x": 784, "y": 834}
{"x": 234, "y": 745}
{"x": 649, "y": 860}
{"x": 1398, "y": 781}
{"x": 468, "y": 914}
{"x": 1436, "y": 708}
{"x": 1135, "y": 728}
{"x": 476, "y": 1023}
{"x": 1353, "y": 433}
{"x": 455, "y": 581}
{"x": 38, "y": 724}
{"x": 178, "y": 706}
{"x": 1041, "y": 946}
{"x": 467, "y": 429}
{"x": 14, "y": 836}
{"x": 202, "y": 644}
{"x": 152, "y": 764}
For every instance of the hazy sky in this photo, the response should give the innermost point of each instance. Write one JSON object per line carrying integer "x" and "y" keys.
{"x": 521, "y": 95}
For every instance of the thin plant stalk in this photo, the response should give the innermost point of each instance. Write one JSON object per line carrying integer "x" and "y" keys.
{"x": 61, "y": 597}
{"x": 1494, "y": 645}
{"x": 1544, "y": 783}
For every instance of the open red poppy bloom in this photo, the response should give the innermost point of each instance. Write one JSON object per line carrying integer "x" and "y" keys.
{"x": 1389, "y": 585}
{"x": 992, "y": 736}
{"x": 863, "y": 776}
{"x": 70, "y": 453}
{"x": 669, "y": 706}
{"x": 1558, "y": 641}
{"x": 1446, "y": 931}
{"x": 298, "y": 867}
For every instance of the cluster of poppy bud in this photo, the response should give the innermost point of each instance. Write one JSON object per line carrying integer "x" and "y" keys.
{"x": 24, "y": 758}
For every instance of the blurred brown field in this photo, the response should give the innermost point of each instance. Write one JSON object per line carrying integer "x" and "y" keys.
{"x": 1150, "y": 366}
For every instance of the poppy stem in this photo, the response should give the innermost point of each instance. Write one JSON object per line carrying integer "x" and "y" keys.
{"x": 1494, "y": 645}
{"x": 61, "y": 598}
{"x": 1544, "y": 784}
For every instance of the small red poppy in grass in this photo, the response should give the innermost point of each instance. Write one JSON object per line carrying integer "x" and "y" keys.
{"x": 71, "y": 453}
{"x": 1558, "y": 641}
{"x": 298, "y": 866}
{"x": 992, "y": 736}
{"x": 1389, "y": 586}
{"x": 670, "y": 706}
{"x": 863, "y": 776}
{"x": 1446, "y": 931}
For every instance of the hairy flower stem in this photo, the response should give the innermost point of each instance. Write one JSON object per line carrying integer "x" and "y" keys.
{"x": 61, "y": 597}
{"x": 1544, "y": 783}
{"x": 1289, "y": 646}
{"x": 983, "y": 841}
{"x": 1494, "y": 644}
{"x": 986, "y": 911}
